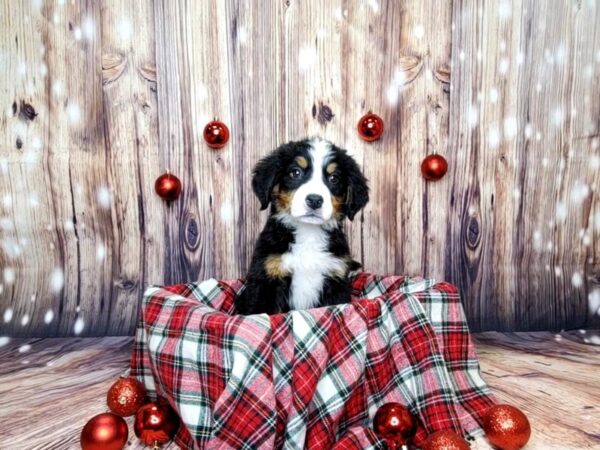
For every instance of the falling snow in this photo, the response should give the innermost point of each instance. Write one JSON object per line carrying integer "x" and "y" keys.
{"x": 8, "y": 315}
{"x": 558, "y": 272}
{"x": 57, "y": 280}
{"x": 561, "y": 212}
{"x": 226, "y": 212}
{"x": 49, "y": 316}
{"x": 100, "y": 252}
{"x": 307, "y": 57}
{"x": 77, "y": 34}
{"x": 73, "y": 113}
{"x": 24, "y": 348}
{"x": 419, "y": 31}
{"x": 473, "y": 116}
{"x": 503, "y": 66}
{"x": 579, "y": 192}
{"x": 511, "y": 127}
{"x": 504, "y": 9}
{"x": 24, "y": 320}
{"x": 4, "y": 340}
{"x": 79, "y": 325}
{"x": 493, "y": 95}
{"x": 594, "y": 301}
{"x": 558, "y": 116}
{"x": 89, "y": 28}
{"x": 494, "y": 136}
{"x": 124, "y": 29}
{"x": 374, "y": 5}
{"x": 104, "y": 197}
{"x": 9, "y": 275}
{"x": 57, "y": 89}
{"x": 577, "y": 279}
{"x": 7, "y": 201}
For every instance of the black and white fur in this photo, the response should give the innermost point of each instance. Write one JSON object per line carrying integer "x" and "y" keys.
{"x": 302, "y": 259}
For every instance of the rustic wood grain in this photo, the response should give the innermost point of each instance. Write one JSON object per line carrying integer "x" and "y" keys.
{"x": 99, "y": 98}
{"x": 523, "y": 250}
{"x": 50, "y": 389}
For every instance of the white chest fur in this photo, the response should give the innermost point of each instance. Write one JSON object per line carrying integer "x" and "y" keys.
{"x": 309, "y": 263}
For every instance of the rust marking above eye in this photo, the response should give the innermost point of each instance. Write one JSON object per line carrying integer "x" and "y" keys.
{"x": 331, "y": 168}
{"x": 302, "y": 162}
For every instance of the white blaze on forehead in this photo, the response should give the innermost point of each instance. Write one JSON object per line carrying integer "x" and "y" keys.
{"x": 320, "y": 153}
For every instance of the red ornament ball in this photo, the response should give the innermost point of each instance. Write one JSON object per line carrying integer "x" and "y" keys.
{"x": 216, "y": 134}
{"x": 445, "y": 440}
{"x": 156, "y": 422}
{"x": 126, "y": 396}
{"x": 370, "y": 127}
{"x": 506, "y": 427}
{"x": 395, "y": 424}
{"x": 434, "y": 167}
{"x": 106, "y": 431}
{"x": 168, "y": 186}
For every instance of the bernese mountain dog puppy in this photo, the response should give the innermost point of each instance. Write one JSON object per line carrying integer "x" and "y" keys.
{"x": 302, "y": 259}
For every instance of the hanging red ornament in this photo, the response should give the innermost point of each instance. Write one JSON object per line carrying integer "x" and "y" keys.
{"x": 126, "y": 396}
{"x": 445, "y": 440}
{"x": 216, "y": 134}
{"x": 506, "y": 427}
{"x": 370, "y": 127}
{"x": 156, "y": 423}
{"x": 434, "y": 167}
{"x": 106, "y": 431}
{"x": 395, "y": 424}
{"x": 168, "y": 186}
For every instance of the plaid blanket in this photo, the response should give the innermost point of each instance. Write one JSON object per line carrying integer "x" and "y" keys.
{"x": 309, "y": 379}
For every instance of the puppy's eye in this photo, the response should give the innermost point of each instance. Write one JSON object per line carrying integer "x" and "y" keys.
{"x": 295, "y": 173}
{"x": 334, "y": 179}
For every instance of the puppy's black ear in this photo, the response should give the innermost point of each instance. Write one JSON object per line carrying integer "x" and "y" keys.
{"x": 264, "y": 178}
{"x": 357, "y": 194}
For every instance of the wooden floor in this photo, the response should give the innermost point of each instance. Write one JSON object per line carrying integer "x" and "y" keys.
{"x": 49, "y": 388}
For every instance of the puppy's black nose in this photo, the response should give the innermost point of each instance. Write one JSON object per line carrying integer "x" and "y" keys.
{"x": 314, "y": 201}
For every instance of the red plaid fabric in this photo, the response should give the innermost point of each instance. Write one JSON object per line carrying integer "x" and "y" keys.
{"x": 309, "y": 379}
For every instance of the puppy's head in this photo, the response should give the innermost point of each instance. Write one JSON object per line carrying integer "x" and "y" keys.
{"x": 310, "y": 181}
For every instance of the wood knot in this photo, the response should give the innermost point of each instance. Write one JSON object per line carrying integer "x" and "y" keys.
{"x": 125, "y": 284}
{"x": 148, "y": 72}
{"x": 192, "y": 233}
{"x": 26, "y": 112}
{"x": 442, "y": 74}
{"x": 19, "y": 143}
{"x": 408, "y": 69}
{"x": 322, "y": 113}
{"x": 473, "y": 232}
{"x": 113, "y": 66}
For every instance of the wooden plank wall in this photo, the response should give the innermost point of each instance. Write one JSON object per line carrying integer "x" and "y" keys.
{"x": 100, "y": 97}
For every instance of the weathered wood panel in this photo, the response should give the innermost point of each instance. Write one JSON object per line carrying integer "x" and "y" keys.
{"x": 107, "y": 95}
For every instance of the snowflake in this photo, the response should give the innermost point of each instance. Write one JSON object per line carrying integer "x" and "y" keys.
{"x": 49, "y": 316}
{"x": 594, "y": 301}
{"x": 579, "y": 192}
{"x": 24, "y": 348}
{"x": 79, "y": 326}
{"x": 124, "y": 29}
{"x": 419, "y": 31}
{"x": 558, "y": 116}
{"x": 504, "y": 9}
{"x": 89, "y": 28}
{"x": 8, "y": 315}
{"x": 226, "y": 212}
{"x": 511, "y": 127}
{"x": 9, "y": 275}
{"x": 561, "y": 212}
{"x": 73, "y": 113}
{"x": 24, "y": 320}
{"x": 374, "y": 6}
{"x": 307, "y": 57}
{"x": 57, "y": 280}
{"x": 473, "y": 116}
{"x": 493, "y": 136}
{"x": 77, "y": 34}
{"x": 577, "y": 279}
{"x": 4, "y": 340}
{"x": 493, "y": 95}
{"x": 104, "y": 197}
{"x": 100, "y": 252}
{"x": 503, "y": 66}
